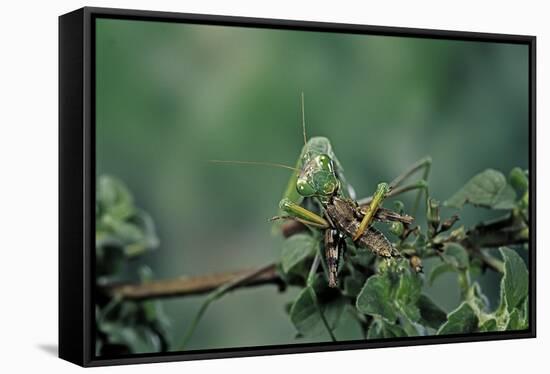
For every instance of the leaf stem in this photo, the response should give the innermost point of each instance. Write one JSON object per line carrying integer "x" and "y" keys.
{"x": 310, "y": 280}
{"x": 217, "y": 293}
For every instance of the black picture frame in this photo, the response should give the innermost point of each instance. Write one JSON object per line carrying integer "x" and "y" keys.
{"x": 77, "y": 183}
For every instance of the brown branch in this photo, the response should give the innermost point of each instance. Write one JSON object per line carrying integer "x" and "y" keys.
{"x": 197, "y": 285}
{"x": 498, "y": 233}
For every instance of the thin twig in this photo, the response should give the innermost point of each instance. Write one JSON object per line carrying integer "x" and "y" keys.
{"x": 219, "y": 292}
{"x": 202, "y": 284}
{"x": 310, "y": 280}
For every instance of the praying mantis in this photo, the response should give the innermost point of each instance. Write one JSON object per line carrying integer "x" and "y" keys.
{"x": 318, "y": 176}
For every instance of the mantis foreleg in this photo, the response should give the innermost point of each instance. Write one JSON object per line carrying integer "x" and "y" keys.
{"x": 424, "y": 163}
{"x": 303, "y": 221}
{"x": 301, "y": 214}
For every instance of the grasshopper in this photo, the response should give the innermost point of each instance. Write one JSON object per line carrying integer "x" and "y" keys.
{"x": 318, "y": 175}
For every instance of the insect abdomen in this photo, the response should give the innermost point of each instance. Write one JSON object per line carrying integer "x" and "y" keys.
{"x": 378, "y": 243}
{"x": 342, "y": 214}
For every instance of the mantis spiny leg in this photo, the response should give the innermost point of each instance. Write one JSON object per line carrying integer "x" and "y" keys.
{"x": 397, "y": 187}
{"x": 424, "y": 163}
{"x": 301, "y": 214}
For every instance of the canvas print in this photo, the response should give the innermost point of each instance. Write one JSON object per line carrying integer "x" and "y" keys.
{"x": 261, "y": 187}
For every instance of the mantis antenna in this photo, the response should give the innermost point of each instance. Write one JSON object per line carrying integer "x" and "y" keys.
{"x": 274, "y": 164}
{"x": 304, "y": 119}
{"x": 254, "y": 163}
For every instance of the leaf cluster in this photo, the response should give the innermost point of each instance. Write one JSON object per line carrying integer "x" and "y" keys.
{"x": 383, "y": 298}
{"x": 123, "y": 234}
{"x": 387, "y": 298}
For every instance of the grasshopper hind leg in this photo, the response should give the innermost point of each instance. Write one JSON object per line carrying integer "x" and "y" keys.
{"x": 378, "y": 243}
{"x": 335, "y": 245}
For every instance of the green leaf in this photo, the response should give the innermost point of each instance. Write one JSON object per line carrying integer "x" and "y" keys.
{"x": 477, "y": 299}
{"x": 459, "y": 321}
{"x": 110, "y": 262}
{"x": 288, "y": 306}
{"x": 379, "y": 329}
{"x": 476, "y": 267}
{"x": 362, "y": 258}
{"x": 124, "y": 231}
{"x": 519, "y": 179}
{"x": 296, "y": 249}
{"x": 515, "y": 321}
{"x": 375, "y": 298}
{"x": 407, "y": 295}
{"x": 305, "y": 315}
{"x": 144, "y": 221}
{"x": 439, "y": 270}
{"x": 409, "y": 288}
{"x": 353, "y": 285}
{"x": 456, "y": 255}
{"x": 488, "y": 189}
{"x": 514, "y": 286}
{"x": 114, "y": 198}
{"x": 391, "y": 294}
{"x": 489, "y": 325}
{"x": 119, "y": 223}
{"x": 525, "y": 311}
{"x": 139, "y": 339}
{"x": 333, "y": 311}
{"x": 506, "y": 199}
{"x": 410, "y": 311}
{"x": 431, "y": 314}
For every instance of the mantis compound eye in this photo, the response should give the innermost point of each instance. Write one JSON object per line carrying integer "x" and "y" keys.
{"x": 325, "y": 161}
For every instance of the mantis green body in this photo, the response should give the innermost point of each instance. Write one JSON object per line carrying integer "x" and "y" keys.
{"x": 318, "y": 175}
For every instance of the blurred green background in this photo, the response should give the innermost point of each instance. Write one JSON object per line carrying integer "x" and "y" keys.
{"x": 172, "y": 96}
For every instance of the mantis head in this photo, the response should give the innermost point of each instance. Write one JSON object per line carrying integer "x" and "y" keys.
{"x": 317, "y": 177}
